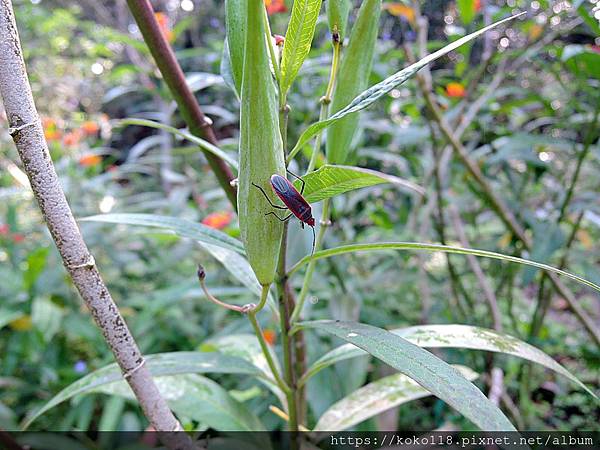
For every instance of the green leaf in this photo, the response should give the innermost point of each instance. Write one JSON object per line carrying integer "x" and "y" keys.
{"x": 436, "y": 248}
{"x": 159, "y": 364}
{"x": 588, "y": 18}
{"x": 353, "y": 78}
{"x": 298, "y": 39}
{"x": 175, "y": 225}
{"x": 46, "y": 317}
{"x": 198, "y": 398}
{"x": 236, "y": 11}
{"x": 245, "y": 346}
{"x": 330, "y": 181}
{"x": 375, "y": 398}
{"x": 454, "y": 336}
{"x": 436, "y": 376}
{"x": 377, "y": 91}
{"x": 582, "y": 60}
{"x": 205, "y": 145}
{"x": 466, "y": 9}
{"x": 7, "y": 316}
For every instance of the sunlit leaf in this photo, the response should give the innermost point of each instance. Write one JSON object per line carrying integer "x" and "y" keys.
{"x": 159, "y": 364}
{"x": 246, "y": 347}
{"x": 330, "y": 181}
{"x": 454, "y": 336}
{"x": 375, "y": 398}
{"x": 175, "y": 225}
{"x": 298, "y": 39}
{"x": 377, "y": 91}
{"x": 198, "y": 398}
{"x": 433, "y": 374}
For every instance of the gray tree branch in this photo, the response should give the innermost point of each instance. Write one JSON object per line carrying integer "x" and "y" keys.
{"x": 28, "y": 136}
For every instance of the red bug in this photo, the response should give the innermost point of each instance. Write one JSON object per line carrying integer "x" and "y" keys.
{"x": 293, "y": 201}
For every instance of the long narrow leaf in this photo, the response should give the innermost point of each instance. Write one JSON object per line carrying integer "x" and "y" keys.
{"x": 159, "y": 364}
{"x": 377, "y": 91}
{"x": 436, "y": 376}
{"x": 298, "y": 39}
{"x": 454, "y": 336}
{"x": 175, "y": 225}
{"x": 375, "y": 398}
{"x": 436, "y": 248}
{"x": 184, "y": 134}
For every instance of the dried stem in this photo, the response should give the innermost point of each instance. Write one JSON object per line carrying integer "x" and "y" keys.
{"x": 28, "y": 135}
{"x": 195, "y": 119}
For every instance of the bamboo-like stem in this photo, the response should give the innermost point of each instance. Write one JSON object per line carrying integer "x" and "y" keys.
{"x": 189, "y": 108}
{"x": 28, "y": 136}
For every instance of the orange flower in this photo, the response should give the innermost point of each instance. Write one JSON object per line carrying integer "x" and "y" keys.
{"x": 72, "y": 138}
{"x": 455, "y": 90}
{"x": 275, "y": 6}
{"x": 400, "y": 10}
{"x": 90, "y": 160}
{"x": 218, "y": 220}
{"x": 477, "y": 5}
{"x": 165, "y": 28}
{"x": 90, "y": 127}
{"x": 51, "y": 131}
{"x": 270, "y": 336}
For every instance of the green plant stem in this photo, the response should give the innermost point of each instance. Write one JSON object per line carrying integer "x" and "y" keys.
{"x": 311, "y": 265}
{"x": 325, "y": 101}
{"x": 503, "y": 212}
{"x": 263, "y": 344}
{"x": 198, "y": 124}
{"x": 325, "y": 219}
{"x": 543, "y": 301}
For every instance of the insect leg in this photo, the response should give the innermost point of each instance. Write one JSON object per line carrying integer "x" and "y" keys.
{"x": 267, "y": 197}
{"x": 286, "y": 218}
{"x": 314, "y": 241}
{"x": 299, "y": 178}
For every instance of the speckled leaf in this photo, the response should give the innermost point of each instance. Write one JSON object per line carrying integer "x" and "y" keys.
{"x": 175, "y": 225}
{"x": 198, "y": 398}
{"x": 298, "y": 39}
{"x": 433, "y": 374}
{"x": 456, "y": 336}
{"x": 159, "y": 364}
{"x": 375, "y": 398}
{"x": 377, "y": 91}
{"x": 330, "y": 181}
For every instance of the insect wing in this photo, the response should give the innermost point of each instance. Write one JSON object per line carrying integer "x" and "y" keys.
{"x": 290, "y": 197}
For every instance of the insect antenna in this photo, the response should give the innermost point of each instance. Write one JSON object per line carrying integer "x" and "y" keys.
{"x": 314, "y": 240}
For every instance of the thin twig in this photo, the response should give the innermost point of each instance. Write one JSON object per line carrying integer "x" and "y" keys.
{"x": 28, "y": 136}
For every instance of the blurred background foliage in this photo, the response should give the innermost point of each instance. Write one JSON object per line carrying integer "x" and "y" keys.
{"x": 539, "y": 94}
